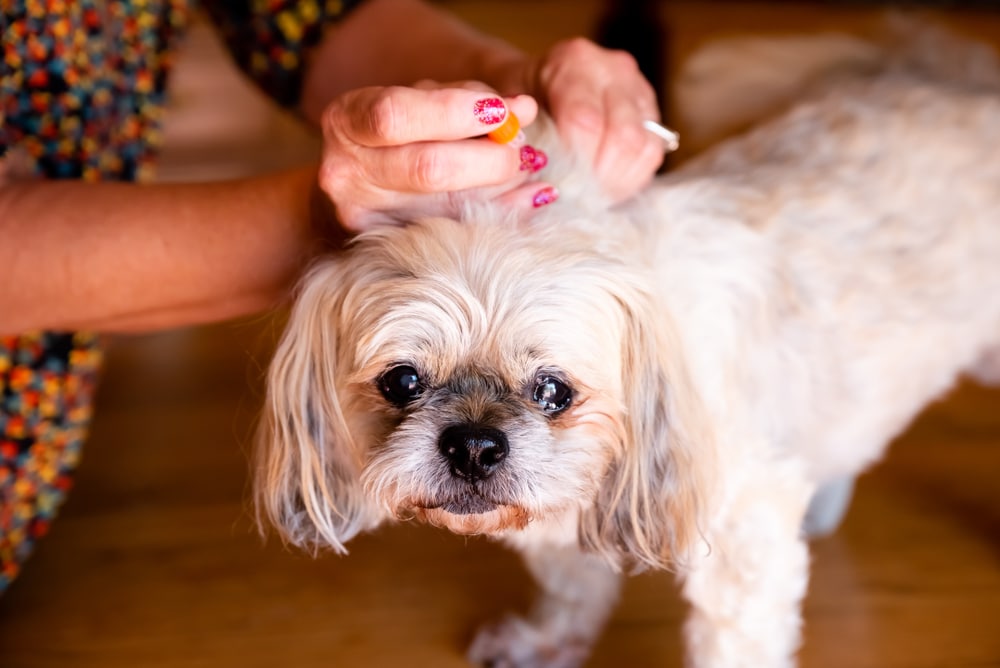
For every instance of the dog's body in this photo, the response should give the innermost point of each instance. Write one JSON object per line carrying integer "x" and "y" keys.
{"x": 666, "y": 383}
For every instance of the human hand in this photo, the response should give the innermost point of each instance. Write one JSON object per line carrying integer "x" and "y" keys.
{"x": 599, "y": 99}
{"x": 392, "y": 153}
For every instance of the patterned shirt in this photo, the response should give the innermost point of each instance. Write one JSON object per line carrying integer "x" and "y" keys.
{"x": 82, "y": 93}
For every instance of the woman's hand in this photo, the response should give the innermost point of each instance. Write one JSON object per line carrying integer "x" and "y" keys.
{"x": 392, "y": 153}
{"x": 598, "y": 99}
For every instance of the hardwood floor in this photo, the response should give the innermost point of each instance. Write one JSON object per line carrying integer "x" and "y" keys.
{"x": 154, "y": 561}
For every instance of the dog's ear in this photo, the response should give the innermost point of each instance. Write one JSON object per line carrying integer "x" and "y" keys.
{"x": 650, "y": 509}
{"x": 306, "y": 482}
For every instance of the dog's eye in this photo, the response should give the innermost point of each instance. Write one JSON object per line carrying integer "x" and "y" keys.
{"x": 552, "y": 395}
{"x": 400, "y": 385}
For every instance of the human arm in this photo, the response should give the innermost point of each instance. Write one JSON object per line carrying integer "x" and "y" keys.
{"x": 118, "y": 257}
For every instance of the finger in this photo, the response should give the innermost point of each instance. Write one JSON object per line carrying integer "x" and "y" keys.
{"x": 395, "y": 115}
{"x": 629, "y": 154}
{"x": 430, "y": 167}
{"x": 573, "y": 77}
{"x": 605, "y": 128}
{"x": 521, "y": 201}
{"x": 633, "y": 178}
{"x": 528, "y": 198}
{"x": 645, "y": 100}
{"x": 524, "y": 107}
{"x": 580, "y": 123}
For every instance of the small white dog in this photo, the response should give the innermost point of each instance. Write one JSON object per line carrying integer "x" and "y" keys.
{"x": 667, "y": 383}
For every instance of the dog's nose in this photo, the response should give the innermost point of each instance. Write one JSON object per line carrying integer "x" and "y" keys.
{"x": 473, "y": 452}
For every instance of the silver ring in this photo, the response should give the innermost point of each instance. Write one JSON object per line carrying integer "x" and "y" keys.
{"x": 671, "y": 140}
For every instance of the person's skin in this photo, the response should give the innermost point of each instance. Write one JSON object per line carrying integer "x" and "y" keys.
{"x": 125, "y": 257}
{"x": 120, "y": 257}
{"x": 394, "y": 153}
{"x": 598, "y": 99}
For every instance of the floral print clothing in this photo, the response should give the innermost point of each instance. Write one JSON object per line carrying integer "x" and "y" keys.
{"x": 82, "y": 94}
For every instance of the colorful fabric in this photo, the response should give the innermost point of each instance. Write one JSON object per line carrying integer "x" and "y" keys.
{"x": 46, "y": 389}
{"x": 83, "y": 83}
{"x": 82, "y": 93}
{"x": 270, "y": 38}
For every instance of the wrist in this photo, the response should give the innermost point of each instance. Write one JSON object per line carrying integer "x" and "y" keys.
{"x": 328, "y": 231}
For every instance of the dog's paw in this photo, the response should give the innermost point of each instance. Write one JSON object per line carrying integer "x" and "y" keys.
{"x": 514, "y": 642}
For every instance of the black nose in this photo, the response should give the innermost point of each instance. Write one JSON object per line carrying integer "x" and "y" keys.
{"x": 473, "y": 452}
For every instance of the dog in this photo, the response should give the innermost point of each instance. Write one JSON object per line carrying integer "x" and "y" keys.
{"x": 689, "y": 380}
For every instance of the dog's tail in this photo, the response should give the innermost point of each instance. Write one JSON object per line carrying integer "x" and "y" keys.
{"x": 730, "y": 84}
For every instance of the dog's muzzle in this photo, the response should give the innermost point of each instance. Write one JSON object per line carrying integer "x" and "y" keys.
{"x": 473, "y": 451}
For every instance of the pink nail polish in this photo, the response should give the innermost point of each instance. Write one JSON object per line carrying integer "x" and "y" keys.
{"x": 490, "y": 111}
{"x": 546, "y": 195}
{"x": 532, "y": 159}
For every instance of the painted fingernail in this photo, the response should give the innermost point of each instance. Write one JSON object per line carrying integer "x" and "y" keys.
{"x": 546, "y": 195}
{"x": 490, "y": 111}
{"x": 532, "y": 159}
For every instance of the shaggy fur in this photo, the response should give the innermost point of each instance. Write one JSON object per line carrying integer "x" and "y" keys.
{"x": 757, "y": 324}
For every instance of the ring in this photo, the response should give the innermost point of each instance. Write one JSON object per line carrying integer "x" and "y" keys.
{"x": 671, "y": 139}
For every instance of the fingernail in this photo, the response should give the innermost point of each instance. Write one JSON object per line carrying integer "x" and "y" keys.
{"x": 532, "y": 159}
{"x": 546, "y": 195}
{"x": 490, "y": 111}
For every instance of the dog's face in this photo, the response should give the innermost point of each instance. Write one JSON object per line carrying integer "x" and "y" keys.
{"x": 476, "y": 377}
{"x": 490, "y": 412}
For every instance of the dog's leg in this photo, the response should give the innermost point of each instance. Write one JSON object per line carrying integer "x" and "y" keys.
{"x": 747, "y": 585}
{"x": 986, "y": 370}
{"x": 577, "y": 593}
{"x": 828, "y": 507}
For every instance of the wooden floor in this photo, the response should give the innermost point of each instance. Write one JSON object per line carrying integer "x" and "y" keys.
{"x": 154, "y": 562}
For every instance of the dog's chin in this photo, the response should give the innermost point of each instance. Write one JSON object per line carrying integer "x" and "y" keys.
{"x": 473, "y": 515}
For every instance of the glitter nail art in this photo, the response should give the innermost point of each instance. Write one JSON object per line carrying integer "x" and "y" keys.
{"x": 490, "y": 111}
{"x": 545, "y": 196}
{"x": 532, "y": 159}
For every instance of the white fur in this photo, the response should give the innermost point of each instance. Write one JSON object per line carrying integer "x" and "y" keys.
{"x": 757, "y": 324}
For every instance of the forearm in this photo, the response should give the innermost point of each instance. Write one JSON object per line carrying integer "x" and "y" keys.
{"x": 123, "y": 257}
{"x": 398, "y": 42}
